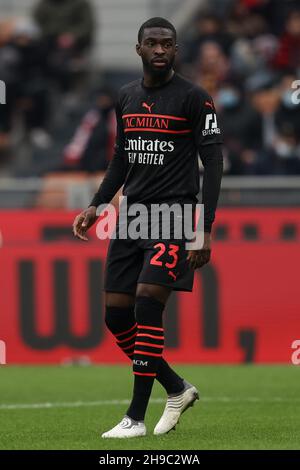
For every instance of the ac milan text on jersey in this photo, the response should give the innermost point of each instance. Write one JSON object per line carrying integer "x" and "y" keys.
{"x": 160, "y": 133}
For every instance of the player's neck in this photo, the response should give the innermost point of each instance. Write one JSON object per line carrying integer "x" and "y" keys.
{"x": 152, "y": 81}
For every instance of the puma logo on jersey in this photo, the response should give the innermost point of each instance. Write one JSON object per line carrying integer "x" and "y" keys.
{"x": 148, "y": 106}
{"x": 207, "y": 103}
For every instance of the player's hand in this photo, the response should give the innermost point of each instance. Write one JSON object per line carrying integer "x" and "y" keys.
{"x": 83, "y": 222}
{"x": 198, "y": 258}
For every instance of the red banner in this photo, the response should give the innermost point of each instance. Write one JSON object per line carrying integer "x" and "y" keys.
{"x": 244, "y": 308}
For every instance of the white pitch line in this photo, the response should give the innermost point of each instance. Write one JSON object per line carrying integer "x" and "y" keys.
{"x": 73, "y": 404}
{"x": 79, "y": 404}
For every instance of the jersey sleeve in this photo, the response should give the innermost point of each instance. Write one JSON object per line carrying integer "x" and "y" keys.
{"x": 202, "y": 115}
{"x": 212, "y": 159}
{"x": 207, "y": 135}
{"x": 116, "y": 172}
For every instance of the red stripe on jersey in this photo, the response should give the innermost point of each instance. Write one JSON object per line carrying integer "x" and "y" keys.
{"x": 149, "y": 129}
{"x": 166, "y": 116}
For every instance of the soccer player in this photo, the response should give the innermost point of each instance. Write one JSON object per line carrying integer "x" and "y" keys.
{"x": 163, "y": 122}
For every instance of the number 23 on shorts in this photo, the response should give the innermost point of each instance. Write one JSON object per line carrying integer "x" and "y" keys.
{"x": 172, "y": 253}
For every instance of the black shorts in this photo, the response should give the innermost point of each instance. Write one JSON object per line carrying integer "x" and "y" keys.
{"x": 151, "y": 261}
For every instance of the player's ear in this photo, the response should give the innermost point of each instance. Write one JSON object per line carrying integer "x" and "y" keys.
{"x": 138, "y": 49}
{"x": 176, "y": 48}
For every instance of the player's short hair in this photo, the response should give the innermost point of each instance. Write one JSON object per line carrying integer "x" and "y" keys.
{"x": 156, "y": 22}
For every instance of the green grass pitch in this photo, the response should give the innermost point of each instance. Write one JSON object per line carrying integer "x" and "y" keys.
{"x": 68, "y": 407}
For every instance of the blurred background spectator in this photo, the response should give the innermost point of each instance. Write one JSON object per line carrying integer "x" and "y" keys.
{"x": 245, "y": 53}
{"x": 23, "y": 68}
{"x": 91, "y": 147}
{"x": 67, "y": 29}
{"x": 289, "y": 43}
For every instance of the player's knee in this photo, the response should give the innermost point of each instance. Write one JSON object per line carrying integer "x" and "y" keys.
{"x": 111, "y": 320}
{"x": 159, "y": 293}
{"x": 148, "y": 311}
{"x": 116, "y": 299}
{"x": 118, "y": 319}
{"x": 119, "y": 311}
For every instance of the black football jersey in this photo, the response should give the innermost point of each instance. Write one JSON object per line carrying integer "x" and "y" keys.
{"x": 160, "y": 132}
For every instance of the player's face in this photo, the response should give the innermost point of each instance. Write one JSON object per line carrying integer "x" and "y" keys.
{"x": 157, "y": 50}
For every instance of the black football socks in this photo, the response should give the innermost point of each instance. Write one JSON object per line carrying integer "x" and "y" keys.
{"x": 122, "y": 324}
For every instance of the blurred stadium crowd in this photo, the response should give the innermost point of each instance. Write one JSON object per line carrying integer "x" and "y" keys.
{"x": 59, "y": 113}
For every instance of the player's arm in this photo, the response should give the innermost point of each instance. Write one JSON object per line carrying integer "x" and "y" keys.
{"x": 112, "y": 182}
{"x": 208, "y": 140}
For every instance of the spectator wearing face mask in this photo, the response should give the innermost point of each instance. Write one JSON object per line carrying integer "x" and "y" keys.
{"x": 279, "y": 120}
{"x": 287, "y": 120}
{"x": 239, "y": 123}
{"x": 286, "y": 152}
{"x": 288, "y": 112}
{"x": 212, "y": 67}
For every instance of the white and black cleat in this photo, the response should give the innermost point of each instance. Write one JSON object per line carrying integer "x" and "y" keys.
{"x": 175, "y": 406}
{"x": 128, "y": 427}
